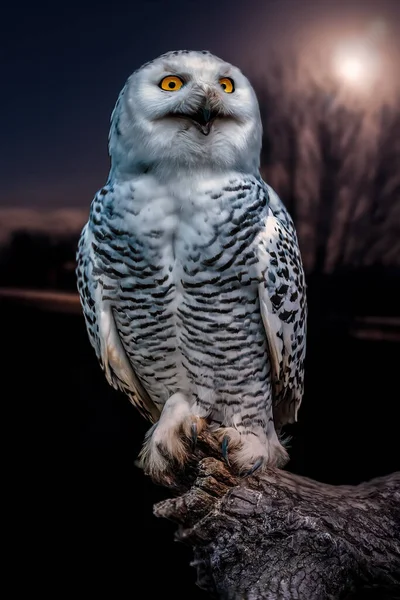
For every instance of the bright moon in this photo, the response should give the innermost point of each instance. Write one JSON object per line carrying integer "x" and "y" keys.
{"x": 357, "y": 63}
{"x": 351, "y": 68}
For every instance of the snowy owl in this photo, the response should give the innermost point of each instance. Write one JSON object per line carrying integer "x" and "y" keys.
{"x": 189, "y": 270}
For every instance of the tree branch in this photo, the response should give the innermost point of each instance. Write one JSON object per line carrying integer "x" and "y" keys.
{"x": 276, "y": 535}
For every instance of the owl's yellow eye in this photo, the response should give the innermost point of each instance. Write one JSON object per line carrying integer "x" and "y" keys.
{"x": 171, "y": 83}
{"x": 227, "y": 84}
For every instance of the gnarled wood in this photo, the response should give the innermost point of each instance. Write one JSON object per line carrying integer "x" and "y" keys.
{"x": 276, "y": 535}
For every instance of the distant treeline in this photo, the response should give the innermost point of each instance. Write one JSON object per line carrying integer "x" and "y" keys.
{"x": 39, "y": 260}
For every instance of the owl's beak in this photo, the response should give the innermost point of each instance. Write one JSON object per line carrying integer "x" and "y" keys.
{"x": 204, "y": 117}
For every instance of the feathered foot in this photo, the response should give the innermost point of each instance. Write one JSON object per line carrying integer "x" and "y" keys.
{"x": 247, "y": 451}
{"x": 168, "y": 443}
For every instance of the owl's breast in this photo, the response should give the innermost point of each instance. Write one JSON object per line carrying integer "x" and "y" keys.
{"x": 180, "y": 275}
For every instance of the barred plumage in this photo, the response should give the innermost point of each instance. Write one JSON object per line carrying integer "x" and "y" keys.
{"x": 191, "y": 279}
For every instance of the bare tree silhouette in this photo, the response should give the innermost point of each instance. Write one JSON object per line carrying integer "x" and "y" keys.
{"x": 336, "y": 165}
{"x": 380, "y": 217}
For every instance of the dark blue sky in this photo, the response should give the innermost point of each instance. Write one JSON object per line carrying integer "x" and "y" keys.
{"x": 64, "y": 65}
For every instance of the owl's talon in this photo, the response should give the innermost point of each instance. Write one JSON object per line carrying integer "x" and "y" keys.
{"x": 224, "y": 448}
{"x": 259, "y": 462}
{"x": 193, "y": 431}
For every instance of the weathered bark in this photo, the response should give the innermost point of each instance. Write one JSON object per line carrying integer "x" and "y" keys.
{"x": 276, "y": 535}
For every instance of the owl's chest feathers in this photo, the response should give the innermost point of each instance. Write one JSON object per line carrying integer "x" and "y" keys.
{"x": 191, "y": 237}
{"x": 180, "y": 240}
{"x": 172, "y": 223}
{"x": 180, "y": 272}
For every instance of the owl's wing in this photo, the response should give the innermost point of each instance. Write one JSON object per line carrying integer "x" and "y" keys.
{"x": 103, "y": 332}
{"x": 283, "y": 305}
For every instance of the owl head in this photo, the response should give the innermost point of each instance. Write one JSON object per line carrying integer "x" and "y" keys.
{"x": 188, "y": 110}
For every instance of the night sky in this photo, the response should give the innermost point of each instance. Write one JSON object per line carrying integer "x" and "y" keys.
{"x": 63, "y": 66}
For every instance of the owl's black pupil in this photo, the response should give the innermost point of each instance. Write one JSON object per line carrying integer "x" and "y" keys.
{"x": 223, "y": 85}
{"x": 171, "y": 84}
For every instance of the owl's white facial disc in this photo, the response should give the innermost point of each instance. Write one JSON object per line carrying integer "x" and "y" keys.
{"x": 186, "y": 109}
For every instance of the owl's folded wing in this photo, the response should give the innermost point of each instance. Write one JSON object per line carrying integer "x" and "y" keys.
{"x": 283, "y": 306}
{"x": 103, "y": 332}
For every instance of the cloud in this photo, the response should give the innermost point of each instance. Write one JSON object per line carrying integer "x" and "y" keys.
{"x": 56, "y": 222}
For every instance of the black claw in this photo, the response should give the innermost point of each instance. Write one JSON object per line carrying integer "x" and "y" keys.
{"x": 259, "y": 462}
{"x": 225, "y": 444}
{"x": 193, "y": 430}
